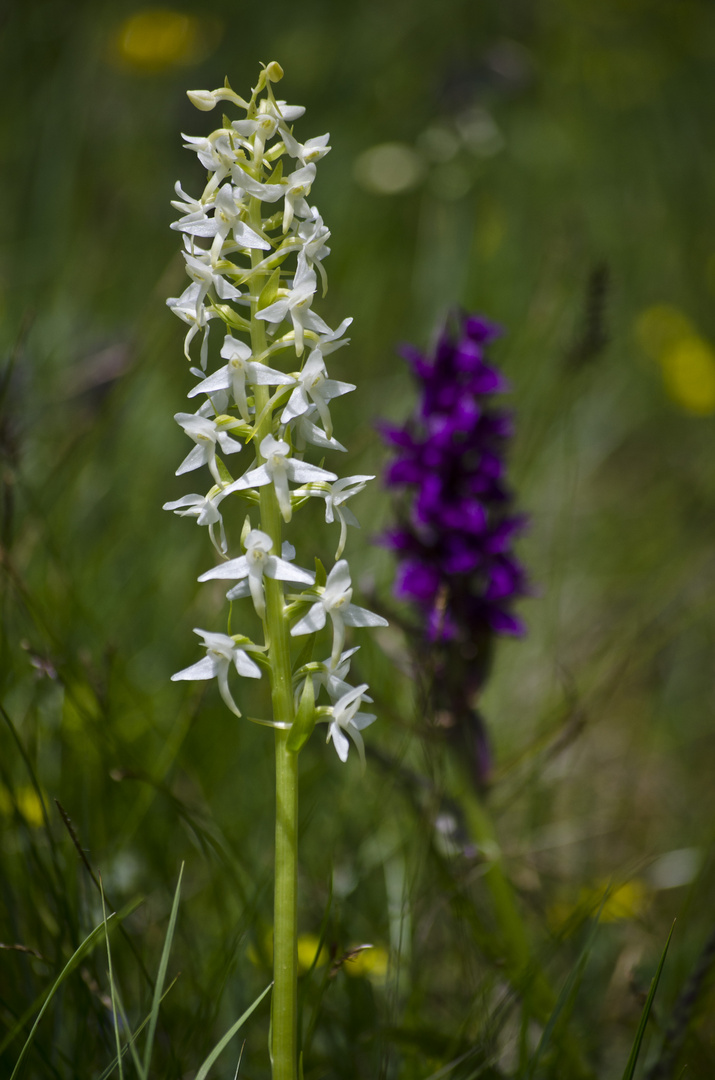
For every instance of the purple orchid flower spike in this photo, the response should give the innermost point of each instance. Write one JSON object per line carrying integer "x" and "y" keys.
{"x": 453, "y": 544}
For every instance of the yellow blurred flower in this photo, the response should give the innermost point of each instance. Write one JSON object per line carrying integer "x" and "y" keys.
{"x": 687, "y": 360}
{"x": 307, "y": 946}
{"x": 660, "y": 327}
{"x": 157, "y": 38}
{"x": 367, "y": 961}
{"x": 622, "y": 903}
{"x": 689, "y": 375}
{"x": 28, "y": 803}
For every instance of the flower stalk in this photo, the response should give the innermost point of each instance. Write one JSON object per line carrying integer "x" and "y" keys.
{"x": 453, "y": 544}
{"x": 254, "y": 249}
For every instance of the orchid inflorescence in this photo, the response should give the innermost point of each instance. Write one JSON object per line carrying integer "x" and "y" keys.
{"x": 254, "y": 249}
{"x": 454, "y": 540}
{"x": 454, "y": 544}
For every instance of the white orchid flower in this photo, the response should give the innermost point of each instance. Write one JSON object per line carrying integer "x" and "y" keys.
{"x": 308, "y": 152}
{"x": 332, "y": 678}
{"x": 297, "y": 186}
{"x": 253, "y": 565}
{"x": 335, "y": 496}
{"x": 313, "y": 385}
{"x": 305, "y": 433}
{"x": 312, "y": 234}
{"x": 296, "y": 305}
{"x": 205, "y": 509}
{"x": 334, "y": 601}
{"x": 227, "y": 218}
{"x": 261, "y": 129}
{"x": 286, "y": 114}
{"x": 347, "y": 720}
{"x": 240, "y": 371}
{"x": 221, "y": 652}
{"x": 201, "y": 270}
{"x": 186, "y": 203}
{"x": 215, "y": 153}
{"x": 264, "y": 126}
{"x": 252, "y": 237}
{"x": 278, "y": 469}
{"x": 206, "y": 435}
{"x": 190, "y": 309}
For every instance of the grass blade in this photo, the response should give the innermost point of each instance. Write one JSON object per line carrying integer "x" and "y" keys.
{"x": 206, "y": 1065}
{"x": 635, "y": 1050}
{"x": 78, "y": 955}
{"x": 567, "y": 995}
{"x": 112, "y": 992}
{"x": 163, "y": 964}
{"x": 130, "y": 1044}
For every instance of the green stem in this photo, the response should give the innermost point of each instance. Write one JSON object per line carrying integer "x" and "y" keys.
{"x": 285, "y": 929}
{"x": 524, "y": 971}
{"x": 513, "y": 932}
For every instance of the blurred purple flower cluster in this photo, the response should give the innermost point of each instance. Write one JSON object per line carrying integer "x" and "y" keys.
{"x": 454, "y": 544}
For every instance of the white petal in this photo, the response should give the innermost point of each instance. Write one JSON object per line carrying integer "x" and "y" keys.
{"x": 262, "y": 375}
{"x": 332, "y": 388}
{"x": 185, "y": 500}
{"x": 227, "y": 444}
{"x": 274, "y": 313}
{"x": 246, "y": 666}
{"x": 202, "y": 669}
{"x": 224, "y": 691}
{"x": 363, "y": 719}
{"x": 310, "y": 623}
{"x": 233, "y": 349}
{"x": 360, "y": 616}
{"x": 253, "y": 478}
{"x": 338, "y": 579}
{"x": 298, "y": 404}
{"x": 248, "y": 238}
{"x": 234, "y": 569}
{"x": 193, "y": 460}
{"x": 284, "y": 571}
{"x": 220, "y": 380}
{"x": 340, "y": 741}
{"x": 301, "y": 472}
{"x": 238, "y": 592}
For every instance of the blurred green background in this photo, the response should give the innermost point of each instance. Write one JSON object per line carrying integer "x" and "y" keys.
{"x": 549, "y": 164}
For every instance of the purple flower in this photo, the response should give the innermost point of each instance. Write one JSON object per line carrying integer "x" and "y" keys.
{"x": 454, "y": 544}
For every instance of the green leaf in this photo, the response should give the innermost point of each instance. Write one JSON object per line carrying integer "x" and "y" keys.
{"x": 635, "y": 1050}
{"x": 567, "y": 996}
{"x": 269, "y": 292}
{"x": 320, "y": 574}
{"x": 161, "y": 977}
{"x": 130, "y": 1045}
{"x": 306, "y": 653}
{"x": 206, "y": 1065}
{"x": 112, "y": 988}
{"x": 223, "y": 471}
{"x": 277, "y": 174}
{"x": 231, "y": 317}
{"x": 78, "y": 955}
{"x": 304, "y": 722}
